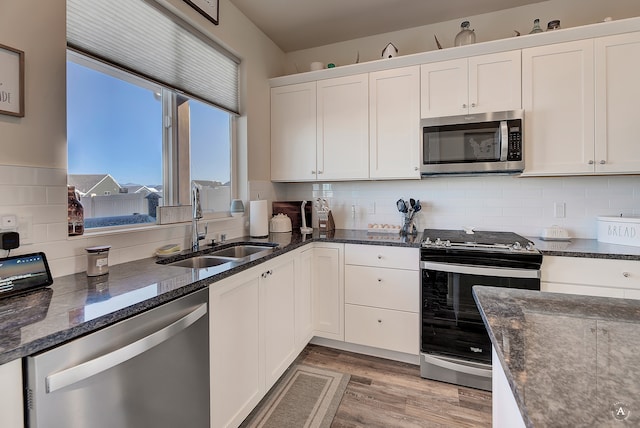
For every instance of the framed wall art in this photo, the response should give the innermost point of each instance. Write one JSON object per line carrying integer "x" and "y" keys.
{"x": 11, "y": 81}
{"x": 208, "y": 8}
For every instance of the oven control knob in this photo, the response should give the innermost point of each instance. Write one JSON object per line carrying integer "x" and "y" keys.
{"x": 428, "y": 241}
{"x": 438, "y": 242}
{"x": 530, "y": 246}
{"x": 517, "y": 246}
{"x": 447, "y": 243}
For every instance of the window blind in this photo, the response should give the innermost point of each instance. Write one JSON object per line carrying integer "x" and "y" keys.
{"x": 144, "y": 38}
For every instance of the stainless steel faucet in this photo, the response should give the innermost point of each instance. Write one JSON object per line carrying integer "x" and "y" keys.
{"x": 197, "y": 215}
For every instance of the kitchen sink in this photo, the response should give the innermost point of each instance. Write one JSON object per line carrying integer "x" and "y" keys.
{"x": 201, "y": 262}
{"x": 237, "y": 254}
{"x": 241, "y": 251}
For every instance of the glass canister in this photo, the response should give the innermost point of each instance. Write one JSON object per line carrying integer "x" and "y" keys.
{"x": 98, "y": 260}
{"x": 466, "y": 36}
{"x": 75, "y": 212}
{"x": 536, "y": 27}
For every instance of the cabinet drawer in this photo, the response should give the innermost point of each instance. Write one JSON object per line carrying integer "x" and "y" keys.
{"x": 380, "y": 256}
{"x": 589, "y": 271}
{"x": 382, "y": 328}
{"x": 382, "y": 287}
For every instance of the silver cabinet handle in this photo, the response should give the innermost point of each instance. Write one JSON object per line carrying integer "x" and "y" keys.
{"x": 313, "y": 172}
{"x": 415, "y": 168}
{"x": 626, "y": 274}
{"x": 473, "y": 104}
{"x": 464, "y": 106}
{"x": 590, "y": 162}
{"x": 320, "y": 172}
{"x": 90, "y": 368}
{"x": 602, "y": 162}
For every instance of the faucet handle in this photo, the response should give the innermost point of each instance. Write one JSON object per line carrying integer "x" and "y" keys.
{"x": 201, "y": 236}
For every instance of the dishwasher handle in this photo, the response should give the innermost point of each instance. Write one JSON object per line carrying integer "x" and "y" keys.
{"x": 90, "y": 368}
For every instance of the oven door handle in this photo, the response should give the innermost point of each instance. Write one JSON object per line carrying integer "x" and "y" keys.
{"x": 481, "y": 270}
{"x": 457, "y": 366}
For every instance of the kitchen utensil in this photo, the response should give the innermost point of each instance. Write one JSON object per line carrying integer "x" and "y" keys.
{"x": 402, "y": 206}
{"x": 304, "y": 228}
{"x": 412, "y": 202}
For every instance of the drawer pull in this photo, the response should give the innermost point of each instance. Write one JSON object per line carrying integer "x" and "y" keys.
{"x": 626, "y": 274}
{"x": 379, "y": 257}
{"x": 379, "y": 321}
{"x": 380, "y": 279}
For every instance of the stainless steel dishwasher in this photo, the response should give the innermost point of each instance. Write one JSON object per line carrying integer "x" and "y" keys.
{"x": 151, "y": 370}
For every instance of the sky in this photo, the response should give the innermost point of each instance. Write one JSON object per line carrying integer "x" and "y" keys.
{"x": 115, "y": 127}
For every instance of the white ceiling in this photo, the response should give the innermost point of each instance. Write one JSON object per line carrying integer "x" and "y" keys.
{"x": 302, "y": 24}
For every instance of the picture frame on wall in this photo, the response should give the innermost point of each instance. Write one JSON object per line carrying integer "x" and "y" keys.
{"x": 210, "y": 9}
{"x": 11, "y": 81}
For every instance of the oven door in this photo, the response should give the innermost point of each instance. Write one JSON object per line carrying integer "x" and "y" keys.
{"x": 453, "y": 337}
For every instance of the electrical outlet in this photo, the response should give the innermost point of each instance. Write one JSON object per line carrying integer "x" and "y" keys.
{"x": 559, "y": 209}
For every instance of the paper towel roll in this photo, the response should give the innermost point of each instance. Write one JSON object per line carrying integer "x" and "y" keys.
{"x": 258, "y": 219}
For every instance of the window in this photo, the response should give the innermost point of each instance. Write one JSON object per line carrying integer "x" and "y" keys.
{"x": 126, "y": 135}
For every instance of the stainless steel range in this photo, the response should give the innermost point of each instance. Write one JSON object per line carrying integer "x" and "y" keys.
{"x": 454, "y": 344}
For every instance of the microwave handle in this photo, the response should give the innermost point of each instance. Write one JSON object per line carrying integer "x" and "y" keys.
{"x": 504, "y": 140}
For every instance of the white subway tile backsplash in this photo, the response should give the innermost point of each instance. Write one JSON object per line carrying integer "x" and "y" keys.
{"x": 524, "y": 205}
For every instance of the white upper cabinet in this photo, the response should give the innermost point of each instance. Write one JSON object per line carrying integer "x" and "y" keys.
{"x": 342, "y": 143}
{"x": 579, "y": 102}
{"x": 394, "y": 119}
{"x": 293, "y": 132}
{"x": 617, "y": 148}
{"x": 478, "y": 84}
{"x": 558, "y": 100}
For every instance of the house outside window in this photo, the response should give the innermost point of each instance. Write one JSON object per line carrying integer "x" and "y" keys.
{"x": 122, "y": 146}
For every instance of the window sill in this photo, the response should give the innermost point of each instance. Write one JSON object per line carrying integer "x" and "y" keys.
{"x": 108, "y": 231}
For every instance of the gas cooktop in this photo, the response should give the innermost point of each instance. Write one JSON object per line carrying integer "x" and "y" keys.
{"x": 508, "y": 241}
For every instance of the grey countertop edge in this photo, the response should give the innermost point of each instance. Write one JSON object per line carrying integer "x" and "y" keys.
{"x": 505, "y": 367}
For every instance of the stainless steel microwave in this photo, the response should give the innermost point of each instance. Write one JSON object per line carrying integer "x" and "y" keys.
{"x": 473, "y": 144}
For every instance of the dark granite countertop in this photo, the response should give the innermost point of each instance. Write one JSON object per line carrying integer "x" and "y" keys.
{"x": 76, "y": 304}
{"x": 590, "y": 248}
{"x": 570, "y": 360}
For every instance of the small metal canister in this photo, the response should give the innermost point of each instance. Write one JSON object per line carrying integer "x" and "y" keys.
{"x": 98, "y": 260}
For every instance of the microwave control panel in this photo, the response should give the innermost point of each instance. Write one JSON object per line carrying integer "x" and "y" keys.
{"x": 514, "y": 152}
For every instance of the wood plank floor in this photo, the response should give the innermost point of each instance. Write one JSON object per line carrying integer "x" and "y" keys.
{"x": 384, "y": 393}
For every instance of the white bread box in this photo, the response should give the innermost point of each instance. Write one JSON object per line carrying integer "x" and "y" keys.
{"x": 619, "y": 230}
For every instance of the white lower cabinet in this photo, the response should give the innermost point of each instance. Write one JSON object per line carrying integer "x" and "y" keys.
{"x": 304, "y": 302}
{"x": 278, "y": 296}
{"x": 381, "y": 302}
{"x": 11, "y": 403}
{"x": 237, "y": 374}
{"x": 252, "y": 337}
{"x": 328, "y": 291}
{"x": 592, "y": 277}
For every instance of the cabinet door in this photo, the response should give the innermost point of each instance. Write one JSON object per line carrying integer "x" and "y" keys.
{"x": 558, "y": 99}
{"x": 495, "y": 82}
{"x": 293, "y": 132}
{"x": 394, "y": 123}
{"x": 304, "y": 309}
{"x": 328, "y": 291}
{"x": 444, "y": 88}
{"x": 11, "y": 408}
{"x": 617, "y": 93}
{"x": 278, "y": 285}
{"x": 236, "y": 370}
{"x": 383, "y": 328}
{"x": 343, "y": 128}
